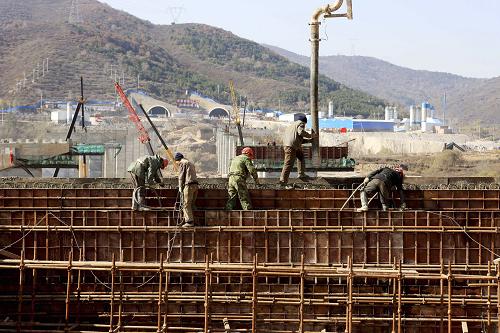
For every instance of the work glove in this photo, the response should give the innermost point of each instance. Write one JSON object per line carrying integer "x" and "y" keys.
{"x": 366, "y": 180}
{"x": 402, "y": 207}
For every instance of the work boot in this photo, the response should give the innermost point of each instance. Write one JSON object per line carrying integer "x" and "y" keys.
{"x": 364, "y": 202}
{"x": 305, "y": 177}
{"x": 188, "y": 224}
{"x": 135, "y": 206}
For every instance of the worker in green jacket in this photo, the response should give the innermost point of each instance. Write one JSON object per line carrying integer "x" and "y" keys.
{"x": 241, "y": 168}
{"x": 145, "y": 171}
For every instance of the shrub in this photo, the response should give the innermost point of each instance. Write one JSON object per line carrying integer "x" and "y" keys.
{"x": 446, "y": 160}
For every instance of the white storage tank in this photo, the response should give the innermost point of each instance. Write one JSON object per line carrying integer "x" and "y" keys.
{"x": 423, "y": 116}
{"x": 330, "y": 109}
{"x": 412, "y": 115}
{"x": 68, "y": 113}
{"x": 388, "y": 113}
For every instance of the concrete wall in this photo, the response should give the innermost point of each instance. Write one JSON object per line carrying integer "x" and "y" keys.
{"x": 391, "y": 143}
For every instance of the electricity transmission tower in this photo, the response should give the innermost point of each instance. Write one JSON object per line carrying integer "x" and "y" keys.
{"x": 175, "y": 12}
{"x": 74, "y": 12}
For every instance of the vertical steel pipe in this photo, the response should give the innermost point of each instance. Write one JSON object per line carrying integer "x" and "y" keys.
{"x": 326, "y": 11}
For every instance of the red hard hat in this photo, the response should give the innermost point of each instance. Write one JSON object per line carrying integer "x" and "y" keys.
{"x": 249, "y": 152}
{"x": 165, "y": 163}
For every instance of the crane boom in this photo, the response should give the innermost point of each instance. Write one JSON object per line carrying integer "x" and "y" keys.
{"x": 236, "y": 112}
{"x": 143, "y": 134}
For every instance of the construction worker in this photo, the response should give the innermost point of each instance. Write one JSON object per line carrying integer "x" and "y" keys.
{"x": 145, "y": 171}
{"x": 382, "y": 181}
{"x": 295, "y": 135}
{"x": 241, "y": 167}
{"x": 188, "y": 188}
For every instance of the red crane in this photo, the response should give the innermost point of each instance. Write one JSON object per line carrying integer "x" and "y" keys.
{"x": 143, "y": 134}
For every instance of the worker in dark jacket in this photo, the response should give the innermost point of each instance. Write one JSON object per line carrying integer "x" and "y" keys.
{"x": 382, "y": 181}
{"x": 295, "y": 135}
{"x": 188, "y": 188}
{"x": 241, "y": 167}
{"x": 145, "y": 171}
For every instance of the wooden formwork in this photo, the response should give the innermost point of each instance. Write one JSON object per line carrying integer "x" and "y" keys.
{"x": 267, "y": 199}
{"x": 323, "y": 237}
{"x": 80, "y": 260}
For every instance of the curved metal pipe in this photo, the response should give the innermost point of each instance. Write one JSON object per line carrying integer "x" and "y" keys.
{"x": 326, "y": 11}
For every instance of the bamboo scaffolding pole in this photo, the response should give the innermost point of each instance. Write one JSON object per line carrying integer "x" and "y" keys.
{"x": 301, "y": 304}
{"x": 348, "y": 328}
{"x": 20, "y": 293}
{"x": 254, "y": 293}
{"x": 489, "y": 296}
{"x": 119, "y": 325}
{"x": 394, "y": 296}
{"x": 273, "y": 299}
{"x": 68, "y": 290}
{"x": 494, "y": 229}
{"x": 246, "y": 269}
{"x": 207, "y": 290}
{"x": 34, "y": 273}
{"x": 160, "y": 293}
{"x": 166, "y": 299}
{"x": 399, "y": 296}
{"x": 111, "y": 305}
{"x": 450, "y": 277}
{"x": 441, "y": 298}
{"x": 78, "y": 290}
{"x": 498, "y": 297}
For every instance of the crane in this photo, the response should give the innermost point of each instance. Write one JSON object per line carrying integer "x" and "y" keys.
{"x": 143, "y": 134}
{"x": 236, "y": 112}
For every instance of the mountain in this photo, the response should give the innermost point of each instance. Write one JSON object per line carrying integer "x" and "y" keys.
{"x": 165, "y": 60}
{"x": 468, "y": 99}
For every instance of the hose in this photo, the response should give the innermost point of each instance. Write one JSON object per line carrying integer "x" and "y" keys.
{"x": 135, "y": 196}
{"x": 354, "y": 192}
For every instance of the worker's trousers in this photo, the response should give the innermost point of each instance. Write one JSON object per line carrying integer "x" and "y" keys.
{"x": 290, "y": 155}
{"x": 377, "y": 185}
{"x": 140, "y": 198}
{"x": 237, "y": 188}
{"x": 189, "y": 194}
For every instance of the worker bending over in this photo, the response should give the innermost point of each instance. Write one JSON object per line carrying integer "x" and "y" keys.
{"x": 145, "y": 171}
{"x": 188, "y": 188}
{"x": 295, "y": 135}
{"x": 241, "y": 167}
{"x": 382, "y": 181}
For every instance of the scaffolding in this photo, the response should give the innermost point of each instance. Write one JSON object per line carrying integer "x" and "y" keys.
{"x": 78, "y": 259}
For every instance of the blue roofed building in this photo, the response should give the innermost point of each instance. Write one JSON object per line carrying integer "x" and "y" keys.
{"x": 355, "y": 125}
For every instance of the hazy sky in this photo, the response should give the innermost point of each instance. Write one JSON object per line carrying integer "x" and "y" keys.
{"x": 455, "y": 36}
